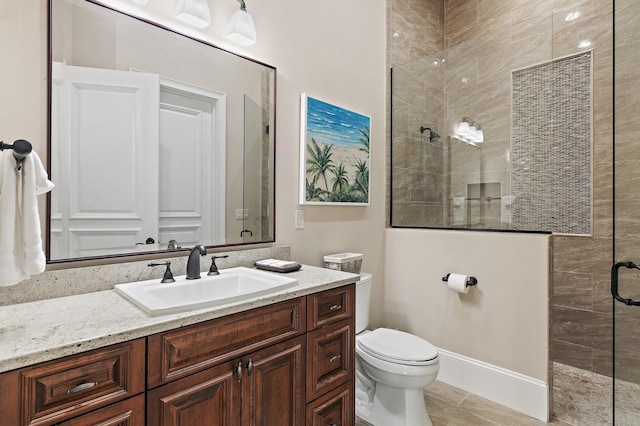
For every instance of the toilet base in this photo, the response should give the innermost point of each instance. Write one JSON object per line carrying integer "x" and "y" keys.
{"x": 393, "y": 406}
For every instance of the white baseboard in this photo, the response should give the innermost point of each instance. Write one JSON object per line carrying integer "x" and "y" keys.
{"x": 514, "y": 390}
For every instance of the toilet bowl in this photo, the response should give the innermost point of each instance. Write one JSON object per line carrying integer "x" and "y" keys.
{"x": 392, "y": 368}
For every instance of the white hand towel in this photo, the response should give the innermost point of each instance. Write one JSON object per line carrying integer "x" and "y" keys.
{"x": 21, "y": 252}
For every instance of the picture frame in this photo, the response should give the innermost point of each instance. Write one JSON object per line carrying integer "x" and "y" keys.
{"x": 335, "y": 154}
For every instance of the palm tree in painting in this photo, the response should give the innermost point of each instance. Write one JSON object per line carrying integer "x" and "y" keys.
{"x": 340, "y": 180}
{"x": 319, "y": 161}
{"x": 313, "y": 192}
{"x": 365, "y": 140}
{"x": 361, "y": 182}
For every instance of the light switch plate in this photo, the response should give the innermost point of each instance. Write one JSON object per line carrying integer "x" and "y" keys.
{"x": 299, "y": 219}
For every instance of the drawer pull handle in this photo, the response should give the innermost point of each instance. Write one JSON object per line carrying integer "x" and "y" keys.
{"x": 334, "y": 357}
{"x": 239, "y": 372}
{"x": 81, "y": 386}
{"x": 334, "y": 424}
{"x": 335, "y": 307}
{"x": 249, "y": 367}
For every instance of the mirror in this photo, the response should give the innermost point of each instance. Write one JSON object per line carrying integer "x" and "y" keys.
{"x": 155, "y": 137}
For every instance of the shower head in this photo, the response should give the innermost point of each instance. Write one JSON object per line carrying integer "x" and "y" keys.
{"x": 433, "y": 136}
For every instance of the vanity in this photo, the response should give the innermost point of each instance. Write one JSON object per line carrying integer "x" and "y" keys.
{"x": 284, "y": 358}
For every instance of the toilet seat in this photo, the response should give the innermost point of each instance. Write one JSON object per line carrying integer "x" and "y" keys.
{"x": 398, "y": 347}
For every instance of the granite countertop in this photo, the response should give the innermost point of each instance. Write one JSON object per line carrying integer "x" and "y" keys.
{"x": 49, "y": 329}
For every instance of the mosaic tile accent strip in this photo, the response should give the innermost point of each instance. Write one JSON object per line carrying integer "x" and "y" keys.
{"x": 551, "y": 146}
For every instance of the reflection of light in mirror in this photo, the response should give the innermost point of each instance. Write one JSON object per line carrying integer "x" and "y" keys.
{"x": 465, "y": 80}
{"x": 584, "y": 44}
{"x": 572, "y": 16}
{"x": 396, "y": 34}
{"x": 436, "y": 63}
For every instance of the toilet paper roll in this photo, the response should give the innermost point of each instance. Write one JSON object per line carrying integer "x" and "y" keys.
{"x": 458, "y": 283}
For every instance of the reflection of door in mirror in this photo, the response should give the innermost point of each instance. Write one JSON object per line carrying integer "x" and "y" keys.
{"x": 103, "y": 117}
{"x": 192, "y": 155}
{"x": 139, "y": 125}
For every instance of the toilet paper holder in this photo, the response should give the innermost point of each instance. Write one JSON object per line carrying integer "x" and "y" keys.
{"x": 471, "y": 281}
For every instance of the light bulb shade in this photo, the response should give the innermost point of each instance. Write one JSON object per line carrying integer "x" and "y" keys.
{"x": 194, "y": 12}
{"x": 463, "y": 128}
{"x": 241, "y": 29}
{"x": 479, "y": 137}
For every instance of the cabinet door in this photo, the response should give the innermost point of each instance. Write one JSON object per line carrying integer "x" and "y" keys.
{"x": 273, "y": 387}
{"x": 209, "y": 398}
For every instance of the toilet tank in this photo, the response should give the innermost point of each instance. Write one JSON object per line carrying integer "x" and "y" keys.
{"x": 363, "y": 296}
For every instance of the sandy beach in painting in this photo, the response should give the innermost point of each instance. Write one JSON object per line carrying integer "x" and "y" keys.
{"x": 342, "y": 154}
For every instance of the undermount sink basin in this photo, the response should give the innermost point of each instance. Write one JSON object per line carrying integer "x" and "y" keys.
{"x": 232, "y": 285}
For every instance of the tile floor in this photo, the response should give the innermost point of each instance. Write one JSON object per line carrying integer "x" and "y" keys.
{"x": 580, "y": 398}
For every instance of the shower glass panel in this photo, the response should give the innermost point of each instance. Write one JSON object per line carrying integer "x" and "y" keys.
{"x": 534, "y": 106}
{"x": 626, "y": 322}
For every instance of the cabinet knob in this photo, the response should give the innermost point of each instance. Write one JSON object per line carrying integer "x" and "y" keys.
{"x": 239, "y": 372}
{"x": 249, "y": 367}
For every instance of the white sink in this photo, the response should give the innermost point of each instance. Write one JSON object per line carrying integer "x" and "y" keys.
{"x": 232, "y": 285}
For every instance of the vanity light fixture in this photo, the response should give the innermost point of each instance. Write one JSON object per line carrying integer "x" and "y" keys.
{"x": 194, "y": 12}
{"x": 469, "y": 131}
{"x": 241, "y": 29}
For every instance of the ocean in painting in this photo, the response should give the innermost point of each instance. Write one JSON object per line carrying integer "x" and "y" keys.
{"x": 330, "y": 124}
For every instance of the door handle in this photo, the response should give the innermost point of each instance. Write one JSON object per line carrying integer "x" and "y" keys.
{"x": 614, "y": 282}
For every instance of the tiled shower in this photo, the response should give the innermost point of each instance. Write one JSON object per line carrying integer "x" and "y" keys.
{"x": 454, "y": 58}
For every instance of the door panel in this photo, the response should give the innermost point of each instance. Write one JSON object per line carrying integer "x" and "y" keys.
{"x": 273, "y": 389}
{"x": 104, "y": 117}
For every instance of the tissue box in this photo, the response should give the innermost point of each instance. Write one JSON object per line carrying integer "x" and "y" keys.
{"x": 347, "y": 262}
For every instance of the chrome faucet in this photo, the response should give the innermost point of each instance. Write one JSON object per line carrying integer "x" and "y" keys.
{"x": 193, "y": 263}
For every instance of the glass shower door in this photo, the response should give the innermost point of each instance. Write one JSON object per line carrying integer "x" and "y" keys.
{"x": 625, "y": 273}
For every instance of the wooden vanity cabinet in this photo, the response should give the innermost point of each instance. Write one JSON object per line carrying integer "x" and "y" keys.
{"x": 289, "y": 363}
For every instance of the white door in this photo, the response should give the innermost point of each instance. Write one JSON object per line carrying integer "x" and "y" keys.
{"x": 103, "y": 117}
{"x": 192, "y": 165}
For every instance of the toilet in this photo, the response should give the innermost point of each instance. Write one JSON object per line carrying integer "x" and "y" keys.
{"x": 392, "y": 368}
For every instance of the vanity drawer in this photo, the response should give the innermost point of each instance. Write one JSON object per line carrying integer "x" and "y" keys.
{"x": 336, "y": 408}
{"x": 330, "y": 306}
{"x": 181, "y": 352}
{"x": 330, "y": 357}
{"x": 129, "y": 412}
{"x": 54, "y": 391}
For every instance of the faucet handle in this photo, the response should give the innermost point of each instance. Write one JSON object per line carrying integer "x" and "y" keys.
{"x": 213, "y": 270}
{"x": 173, "y": 245}
{"x": 168, "y": 276}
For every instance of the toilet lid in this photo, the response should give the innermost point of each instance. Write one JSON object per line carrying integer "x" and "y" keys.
{"x": 396, "y": 345}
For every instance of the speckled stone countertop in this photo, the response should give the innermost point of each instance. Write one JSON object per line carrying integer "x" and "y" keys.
{"x": 43, "y": 330}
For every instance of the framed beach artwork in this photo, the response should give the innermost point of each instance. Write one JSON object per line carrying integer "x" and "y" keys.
{"x": 334, "y": 154}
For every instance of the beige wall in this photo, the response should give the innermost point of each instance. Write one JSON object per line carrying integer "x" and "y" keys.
{"x": 333, "y": 49}
{"x": 503, "y": 321}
